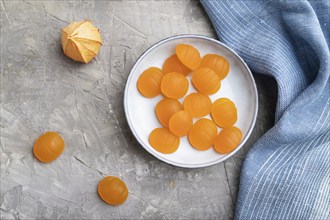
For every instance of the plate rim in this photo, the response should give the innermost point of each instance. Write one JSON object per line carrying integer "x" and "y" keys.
{"x": 159, "y": 157}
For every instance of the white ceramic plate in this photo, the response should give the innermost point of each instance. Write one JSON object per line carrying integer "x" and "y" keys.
{"x": 239, "y": 86}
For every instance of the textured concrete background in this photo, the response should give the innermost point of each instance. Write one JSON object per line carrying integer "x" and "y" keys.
{"x": 42, "y": 90}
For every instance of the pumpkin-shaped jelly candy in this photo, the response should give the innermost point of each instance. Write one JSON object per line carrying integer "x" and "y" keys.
{"x": 216, "y": 63}
{"x": 224, "y": 112}
{"x": 112, "y": 190}
{"x": 227, "y": 140}
{"x": 188, "y": 55}
{"x": 202, "y": 134}
{"x": 173, "y": 64}
{"x": 165, "y": 108}
{"x": 174, "y": 85}
{"x": 48, "y": 147}
{"x": 197, "y": 104}
{"x": 149, "y": 81}
{"x": 163, "y": 141}
{"x": 206, "y": 81}
{"x": 180, "y": 123}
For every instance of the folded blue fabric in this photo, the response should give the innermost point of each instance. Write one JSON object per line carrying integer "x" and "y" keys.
{"x": 286, "y": 174}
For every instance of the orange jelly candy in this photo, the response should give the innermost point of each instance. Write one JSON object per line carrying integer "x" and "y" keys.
{"x": 202, "y": 134}
{"x": 48, "y": 147}
{"x": 174, "y": 85}
{"x": 165, "y": 108}
{"x": 163, "y": 141}
{"x": 216, "y": 63}
{"x": 180, "y": 123}
{"x": 173, "y": 64}
{"x": 216, "y": 88}
{"x": 112, "y": 190}
{"x": 227, "y": 140}
{"x": 188, "y": 55}
{"x": 206, "y": 80}
{"x": 197, "y": 104}
{"x": 149, "y": 82}
{"x": 224, "y": 112}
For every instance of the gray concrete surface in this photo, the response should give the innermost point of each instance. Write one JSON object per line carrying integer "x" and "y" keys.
{"x": 42, "y": 90}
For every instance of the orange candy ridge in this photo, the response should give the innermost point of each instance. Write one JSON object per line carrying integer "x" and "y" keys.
{"x": 48, "y": 147}
{"x": 165, "y": 108}
{"x": 224, "y": 112}
{"x": 163, "y": 141}
{"x": 188, "y": 55}
{"x": 216, "y": 89}
{"x": 174, "y": 85}
{"x": 173, "y": 64}
{"x": 227, "y": 140}
{"x": 216, "y": 63}
{"x": 180, "y": 123}
{"x": 202, "y": 134}
{"x": 149, "y": 81}
{"x": 206, "y": 81}
{"x": 112, "y": 190}
{"x": 197, "y": 104}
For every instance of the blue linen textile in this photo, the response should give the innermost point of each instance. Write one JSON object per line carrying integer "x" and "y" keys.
{"x": 286, "y": 174}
